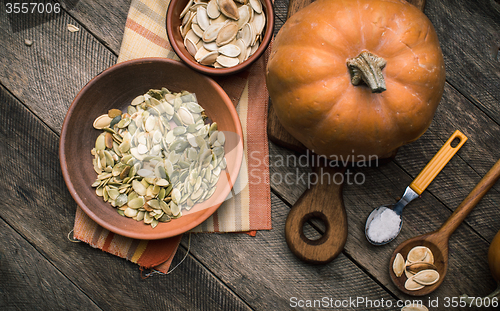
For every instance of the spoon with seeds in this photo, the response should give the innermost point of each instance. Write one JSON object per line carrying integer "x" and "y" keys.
{"x": 384, "y": 223}
{"x": 437, "y": 241}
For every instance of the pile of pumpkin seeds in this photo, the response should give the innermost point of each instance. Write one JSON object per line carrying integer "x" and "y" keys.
{"x": 158, "y": 158}
{"x": 222, "y": 33}
{"x": 418, "y": 268}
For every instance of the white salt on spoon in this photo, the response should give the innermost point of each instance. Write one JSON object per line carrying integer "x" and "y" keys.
{"x": 383, "y": 226}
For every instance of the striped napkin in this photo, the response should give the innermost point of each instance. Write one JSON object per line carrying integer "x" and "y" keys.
{"x": 248, "y": 207}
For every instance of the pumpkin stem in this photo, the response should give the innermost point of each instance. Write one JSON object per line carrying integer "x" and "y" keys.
{"x": 367, "y": 67}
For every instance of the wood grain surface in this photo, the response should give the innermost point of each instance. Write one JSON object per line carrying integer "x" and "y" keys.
{"x": 42, "y": 270}
{"x": 33, "y": 279}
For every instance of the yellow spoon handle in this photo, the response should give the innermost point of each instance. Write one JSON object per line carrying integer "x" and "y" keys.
{"x": 437, "y": 163}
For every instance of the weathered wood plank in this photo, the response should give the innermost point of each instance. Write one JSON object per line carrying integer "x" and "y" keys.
{"x": 47, "y": 75}
{"x": 105, "y": 19}
{"x": 383, "y": 186}
{"x": 38, "y": 206}
{"x": 30, "y": 282}
{"x": 264, "y": 272}
{"x": 469, "y": 37}
{"x": 280, "y": 14}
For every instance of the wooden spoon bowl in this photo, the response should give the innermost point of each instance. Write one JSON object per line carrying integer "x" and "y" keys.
{"x": 438, "y": 247}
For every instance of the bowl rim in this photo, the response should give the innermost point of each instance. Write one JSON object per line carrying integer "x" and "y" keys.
{"x": 266, "y": 40}
{"x": 204, "y": 214}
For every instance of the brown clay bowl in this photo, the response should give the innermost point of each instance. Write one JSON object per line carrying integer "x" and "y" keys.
{"x": 115, "y": 88}
{"x": 173, "y": 23}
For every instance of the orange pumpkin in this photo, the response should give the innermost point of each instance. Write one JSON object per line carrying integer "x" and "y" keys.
{"x": 356, "y": 78}
{"x": 494, "y": 257}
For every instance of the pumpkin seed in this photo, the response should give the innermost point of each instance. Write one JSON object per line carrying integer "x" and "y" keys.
{"x": 226, "y": 61}
{"x": 256, "y": 6}
{"x": 140, "y": 215}
{"x": 102, "y": 122}
{"x": 175, "y": 209}
{"x": 186, "y": 8}
{"x": 197, "y": 30}
{"x": 148, "y": 219}
{"x": 213, "y": 9}
{"x": 136, "y": 203}
{"x": 100, "y": 143}
{"x": 419, "y": 266}
{"x": 202, "y": 18}
{"x": 243, "y": 48}
{"x": 187, "y": 18}
{"x": 429, "y": 258}
{"x": 186, "y": 116}
{"x": 227, "y": 33}
{"x": 209, "y": 58}
{"x": 138, "y": 100}
{"x": 121, "y": 200}
{"x": 230, "y": 50}
{"x": 195, "y": 108}
{"x": 418, "y": 253}
{"x": 143, "y": 163}
{"x": 247, "y": 34}
{"x": 259, "y": 22}
{"x": 130, "y": 212}
{"x": 398, "y": 266}
{"x": 426, "y": 277}
{"x": 112, "y": 113}
{"x": 164, "y": 218}
{"x": 228, "y": 8}
{"x": 245, "y": 12}
{"x": 210, "y": 34}
{"x": 190, "y": 46}
{"x": 410, "y": 284}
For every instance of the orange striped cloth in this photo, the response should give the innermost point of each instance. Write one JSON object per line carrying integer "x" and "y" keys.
{"x": 249, "y": 207}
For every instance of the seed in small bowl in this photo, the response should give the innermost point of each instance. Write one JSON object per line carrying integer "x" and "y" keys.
{"x": 222, "y": 33}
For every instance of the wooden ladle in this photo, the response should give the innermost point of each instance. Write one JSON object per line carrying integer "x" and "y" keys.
{"x": 437, "y": 241}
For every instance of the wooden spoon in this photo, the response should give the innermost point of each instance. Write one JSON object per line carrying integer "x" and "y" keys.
{"x": 437, "y": 241}
{"x": 322, "y": 201}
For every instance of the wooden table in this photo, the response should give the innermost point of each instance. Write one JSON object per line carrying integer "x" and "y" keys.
{"x": 40, "y": 269}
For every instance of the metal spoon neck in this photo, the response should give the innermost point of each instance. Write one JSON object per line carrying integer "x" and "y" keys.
{"x": 407, "y": 197}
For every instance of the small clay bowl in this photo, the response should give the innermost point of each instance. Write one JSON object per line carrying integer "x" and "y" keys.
{"x": 115, "y": 88}
{"x": 173, "y": 23}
